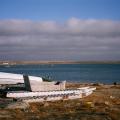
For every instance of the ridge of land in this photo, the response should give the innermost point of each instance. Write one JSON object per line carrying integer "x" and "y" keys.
{"x": 56, "y": 62}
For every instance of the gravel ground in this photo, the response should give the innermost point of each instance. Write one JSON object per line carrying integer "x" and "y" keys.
{"x": 103, "y": 104}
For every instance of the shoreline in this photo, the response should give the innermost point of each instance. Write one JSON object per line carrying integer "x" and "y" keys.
{"x": 55, "y": 62}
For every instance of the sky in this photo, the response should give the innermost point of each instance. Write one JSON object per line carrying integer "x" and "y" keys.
{"x": 79, "y": 30}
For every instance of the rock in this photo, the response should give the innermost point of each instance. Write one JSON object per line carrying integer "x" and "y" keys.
{"x": 107, "y": 103}
{"x": 20, "y": 105}
{"x": 46, "y": 104}
{"x": 97, "y": 84}
{"x": 78, "y": 104}
{"x": 88, "y": 104}
{"x": 112, "y": 97}
{"x": 115, "y": 83}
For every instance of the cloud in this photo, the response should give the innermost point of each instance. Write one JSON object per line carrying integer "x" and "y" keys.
{"x": 74, "y": 39}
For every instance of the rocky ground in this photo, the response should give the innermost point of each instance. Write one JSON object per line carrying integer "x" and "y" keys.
{"x": 103, "y": 104}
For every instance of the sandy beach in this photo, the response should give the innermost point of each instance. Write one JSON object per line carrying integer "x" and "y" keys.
{"x": 102, "y": 104}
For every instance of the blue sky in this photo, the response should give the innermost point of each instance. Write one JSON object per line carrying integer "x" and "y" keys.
{"x": 59, "y": 10}
{"x": 79, "y": 30}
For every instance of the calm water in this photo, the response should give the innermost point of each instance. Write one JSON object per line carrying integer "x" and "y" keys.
{"x": 104, "y": 73}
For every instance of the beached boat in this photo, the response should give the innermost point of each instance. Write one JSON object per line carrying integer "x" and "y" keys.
{"x": 35, "y": 89}
{"x": 11, "y": 78}
{"x": 51, "y": 95}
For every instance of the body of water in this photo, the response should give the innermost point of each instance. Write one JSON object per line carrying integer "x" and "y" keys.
{"x": 102, "y": 73}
